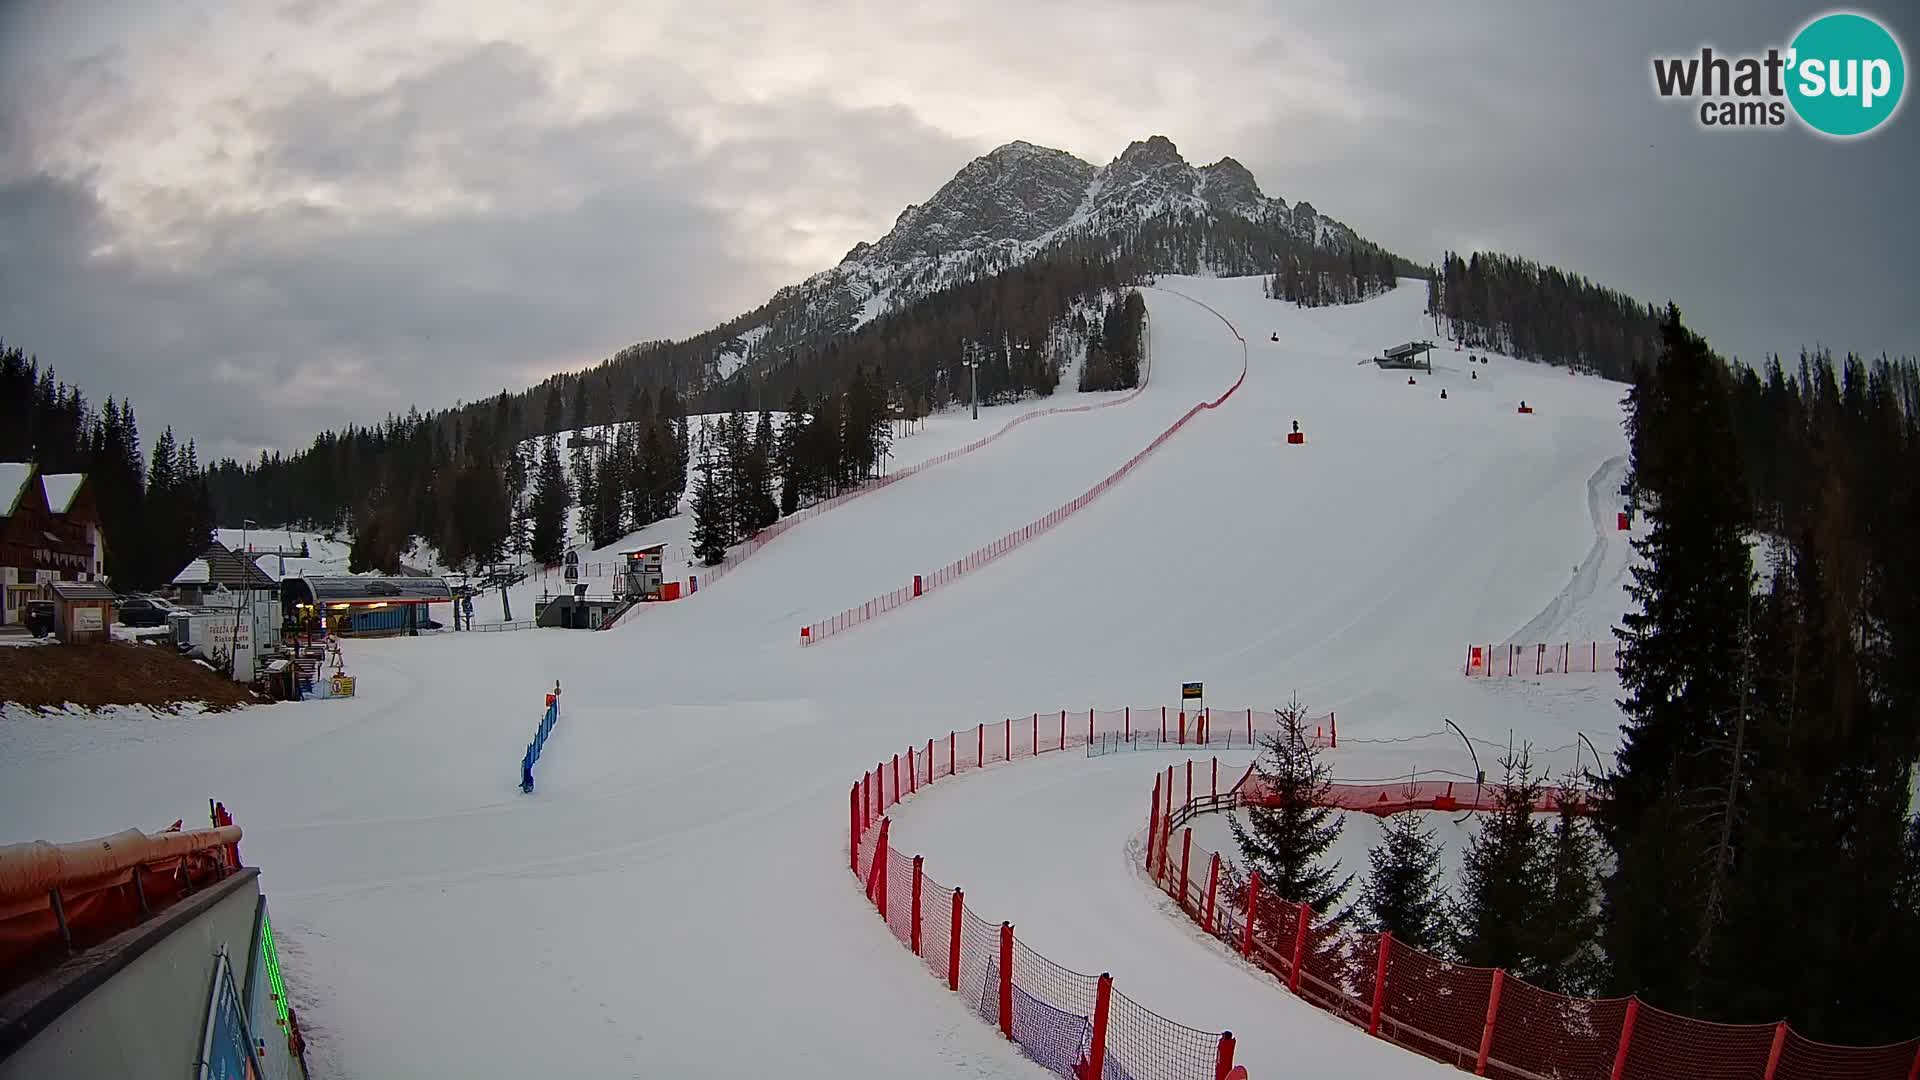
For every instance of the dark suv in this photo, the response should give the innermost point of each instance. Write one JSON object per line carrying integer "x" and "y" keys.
{"x": 144, "y": 611}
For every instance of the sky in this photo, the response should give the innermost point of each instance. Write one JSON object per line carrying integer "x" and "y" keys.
{"x": 260, "y": 220}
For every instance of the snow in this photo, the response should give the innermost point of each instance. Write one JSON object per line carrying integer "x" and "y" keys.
{"x": 197, "y": 572}
{"x": 13, "y": 477}
{"x": 674, "y": 898}
{"x": 61, "y": 488}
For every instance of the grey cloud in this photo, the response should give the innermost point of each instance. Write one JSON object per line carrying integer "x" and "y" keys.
{"x": 586, "y": 237}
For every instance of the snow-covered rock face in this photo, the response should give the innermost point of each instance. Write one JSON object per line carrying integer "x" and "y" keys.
{"x": 1014, "y": 204}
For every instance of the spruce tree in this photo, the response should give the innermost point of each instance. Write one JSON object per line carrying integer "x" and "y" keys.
{"x": 1568, "y": 949}
{"x": 551, "y": 499}
{"x": 786, "y": 452}
{"x": 1403, "y": 893}
{"x": 1286, "y": 835}
{"x": 710, "y": 535}
{"x": 1505, "y": 879}
{"x": 1681, "y": 664}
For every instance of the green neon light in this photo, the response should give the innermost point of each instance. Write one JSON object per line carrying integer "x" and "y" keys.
{"x": 272, "y": 957}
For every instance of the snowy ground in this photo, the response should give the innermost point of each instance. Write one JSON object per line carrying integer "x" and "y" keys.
{"x": 674, "y": 898}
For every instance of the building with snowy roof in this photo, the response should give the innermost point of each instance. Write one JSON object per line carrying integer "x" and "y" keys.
{"x": 49, "y": 531}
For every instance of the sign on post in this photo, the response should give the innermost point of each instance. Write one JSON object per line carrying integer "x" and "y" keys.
{"x": 1189, "y": 691}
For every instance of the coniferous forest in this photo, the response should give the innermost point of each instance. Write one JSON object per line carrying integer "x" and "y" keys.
{"x": 1756, "y": 851}
{"x": 1542, "y": 313}
{"x": 157, "y": 514}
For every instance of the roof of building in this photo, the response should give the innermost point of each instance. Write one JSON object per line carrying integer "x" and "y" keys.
{"x": 296, "y": 566}
{"x": 348, "y": 590}
{"x": 13, "y": 480}
{"x": 61, "y": 488}
{"x": 194, "y": 573}
{"x": 218, "y": 566}
{"x": 80, "y": 590}
{"x": 1409, "y": 349}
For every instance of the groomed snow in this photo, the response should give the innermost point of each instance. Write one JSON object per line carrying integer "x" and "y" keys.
{"x": 674, "y": 899}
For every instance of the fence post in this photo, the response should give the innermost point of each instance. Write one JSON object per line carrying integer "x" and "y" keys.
{"x": 980, "y": 752}
{"x": 1089, "y": 726}
{"x": 950, "y": 761}
{"x": 1214, "y": 789}
{"x": 1213, "y": 888}
{"x": 1249, "y": 726}
{"x": 1223, "y": 1063}
{"x": 1914, "y": 1073}
{"x": 953, "y": 938}
{"x": 1626, "y": 1039}
{"x": 896, "y": 779}
{"x": 1186, "y": 853}
{"x": 1773, "y": 1054}
{"x": 1380, "y": 981}
{"x": 1333, "y": 725}
{"x": 1126, "y": 721}
{"x": 1189, "y": 782}
{"x": 913, "y": 774}
{"x": 1299, "y": 946}
{"x": 1063, "y": 729}
{"x": 1163, "y": 724}
{"x": 1493, "y": 1016}
{"x": 1006, "y": 979}
{"x": 916, "y": 904}
{"x": 1153, "y": 823}
{"x": 875, "y": 878}
{"x": 883, "y": 866}
{"x": 1036, "y": 734}
{"x": 1097, "y": 1049}
{"x": 853, "y": 828}
{"x": 1009, "y": 739}
{"x": 1253, "y": 907}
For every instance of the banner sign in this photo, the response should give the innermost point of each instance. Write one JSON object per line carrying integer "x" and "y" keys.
{"x": 226, "y": 1052}
{"x": 1189, "y": 691}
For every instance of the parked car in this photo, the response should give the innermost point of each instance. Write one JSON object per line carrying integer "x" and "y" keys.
{"x": 145, "y": 611}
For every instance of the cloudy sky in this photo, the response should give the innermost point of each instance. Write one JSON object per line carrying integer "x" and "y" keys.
{"x": 258, "y": 219}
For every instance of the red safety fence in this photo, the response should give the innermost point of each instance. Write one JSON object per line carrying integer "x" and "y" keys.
{"x": 1071, "y": 1023}
{"x": 924, "y": 583}
{"x": 59, "y": 899}
{"x": 1567, "y": 657}
{"x": 1479, "y": 1019}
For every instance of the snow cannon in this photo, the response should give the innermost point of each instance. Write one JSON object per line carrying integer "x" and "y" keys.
{"x": 1475, "y": 374}
{"x": 1525, "y": 409}
{"x": 1409, "y": 380}
{"x": 1296, "y": 437}
{"x": 1275, "y": 337}
{"x": 1443, "y": 393}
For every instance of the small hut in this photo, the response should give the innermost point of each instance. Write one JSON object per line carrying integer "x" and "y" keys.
{"x": 82, "y": 612}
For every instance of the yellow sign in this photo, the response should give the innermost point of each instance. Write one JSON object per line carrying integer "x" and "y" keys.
{"x": 342, "y": 685}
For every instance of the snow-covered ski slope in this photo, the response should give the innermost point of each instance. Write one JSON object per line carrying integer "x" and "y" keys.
{"x": 673, "y": 898}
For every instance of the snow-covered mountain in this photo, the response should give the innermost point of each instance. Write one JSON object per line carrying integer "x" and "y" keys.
{"x": 1011, "y": 205}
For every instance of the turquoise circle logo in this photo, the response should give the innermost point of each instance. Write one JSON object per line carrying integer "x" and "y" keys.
{"x": 1847, "y": 74}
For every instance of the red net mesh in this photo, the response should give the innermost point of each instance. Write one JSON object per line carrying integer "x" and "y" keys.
{"x": 900, "y": 896}
{"x": 1804, "y": 1059}
{"x": 1337, "y": 971}
{"x": 1147, "y": 1046}
{"x": 1434, "y": 1006}
{"x": 1663, "y": 1042}
{"x": 979, "y": 951}
{"x": 936, "y": 925}
{"x": 1541, "y": 1033}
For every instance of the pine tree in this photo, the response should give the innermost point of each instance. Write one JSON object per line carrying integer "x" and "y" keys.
{"x": 551, "y": 498}
{"x": 1505, "y": 880}
{"x": 1286, "y": 834}
{"x": 710, "y": 535}
{"x": 1403, "y": 893}
{"x": 786, "y": 453}
{"x": 1568, "y": 949}
{"x": 762, "y": 510}
{"x": 1681, "y": 662}
{"x": 586, "y": 482}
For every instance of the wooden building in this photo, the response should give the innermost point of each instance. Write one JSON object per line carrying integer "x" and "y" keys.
{"x": 49, "y": 531}
{"x": 82, "y": 612}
